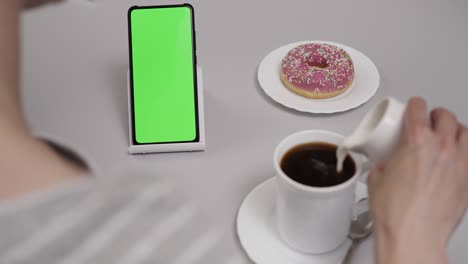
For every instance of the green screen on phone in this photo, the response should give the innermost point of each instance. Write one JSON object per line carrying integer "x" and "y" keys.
{"x": 163, "y": 74}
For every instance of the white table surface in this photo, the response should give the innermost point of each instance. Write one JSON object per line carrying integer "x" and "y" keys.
{"x": 75, "y": 57}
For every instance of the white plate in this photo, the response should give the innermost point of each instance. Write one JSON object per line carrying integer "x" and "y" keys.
{"x": 365, "y": 84}
{"x": 258, "y": 235}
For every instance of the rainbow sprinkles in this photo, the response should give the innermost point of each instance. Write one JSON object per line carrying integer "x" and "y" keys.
{"x": 317, "y": 70}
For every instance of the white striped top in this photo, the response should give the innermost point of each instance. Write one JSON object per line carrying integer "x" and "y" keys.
{"x": 131, "y": 219}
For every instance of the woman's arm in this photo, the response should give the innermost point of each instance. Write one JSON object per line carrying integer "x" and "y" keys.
{"x": 26, "y": 164}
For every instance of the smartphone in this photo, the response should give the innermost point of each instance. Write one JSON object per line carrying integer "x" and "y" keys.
{"x": 163, "y": 74}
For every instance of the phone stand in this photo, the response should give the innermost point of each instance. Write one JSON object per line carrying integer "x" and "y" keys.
{"x": 170, "y": 147}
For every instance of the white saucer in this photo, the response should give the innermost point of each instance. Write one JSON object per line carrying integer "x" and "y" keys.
{"x": 258, "y": 235}
{"x": 365, "y": 84}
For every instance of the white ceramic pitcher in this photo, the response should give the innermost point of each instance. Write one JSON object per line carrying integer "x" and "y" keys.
{"x": 378, "y": 133}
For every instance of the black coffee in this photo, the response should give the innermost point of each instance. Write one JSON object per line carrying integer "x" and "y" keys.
{"x": 314, "y": 164}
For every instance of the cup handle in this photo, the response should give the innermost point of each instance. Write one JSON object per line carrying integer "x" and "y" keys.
{"x": 366, "y": 166}
{"x": 361, "y": 188}
{"x": 359, "y": 207}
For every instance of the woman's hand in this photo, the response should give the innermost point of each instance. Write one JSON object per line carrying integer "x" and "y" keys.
{"x": 419, "y": 195}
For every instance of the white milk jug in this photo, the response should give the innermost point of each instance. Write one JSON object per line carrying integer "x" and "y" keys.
{"x": 377, "y": 134}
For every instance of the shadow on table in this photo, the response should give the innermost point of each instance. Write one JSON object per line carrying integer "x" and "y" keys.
{"x": 118, "y": 78}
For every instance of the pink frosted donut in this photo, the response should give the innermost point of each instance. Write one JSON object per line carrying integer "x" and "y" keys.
{"x": 317, "y": 70}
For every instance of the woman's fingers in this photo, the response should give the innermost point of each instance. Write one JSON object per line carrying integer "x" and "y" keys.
{"x": 444, "y": 124}
{"x": 462, "y": 140}
{"x": 415, "y": 121}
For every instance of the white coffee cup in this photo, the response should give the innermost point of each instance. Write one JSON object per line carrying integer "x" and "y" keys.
{"x": 313, "y": 219}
